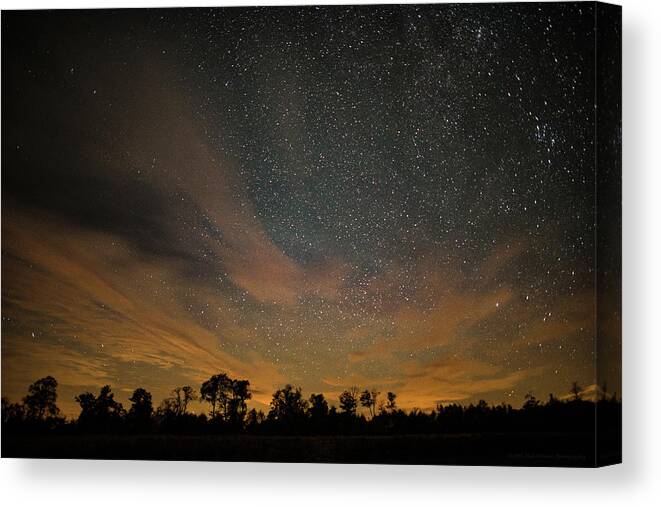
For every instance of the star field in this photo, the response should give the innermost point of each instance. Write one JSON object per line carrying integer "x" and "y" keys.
{"x": 397, "y": 197}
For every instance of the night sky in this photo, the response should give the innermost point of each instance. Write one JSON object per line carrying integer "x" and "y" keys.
{"x": 396, "y": 197}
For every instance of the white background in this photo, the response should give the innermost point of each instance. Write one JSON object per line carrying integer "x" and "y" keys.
{"x": 636, "y": 482}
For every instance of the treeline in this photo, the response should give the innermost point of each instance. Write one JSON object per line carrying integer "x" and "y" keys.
{"x": 291, "y": 413}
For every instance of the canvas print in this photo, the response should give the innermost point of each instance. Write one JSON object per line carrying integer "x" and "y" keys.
{"x": 344, "y": 234}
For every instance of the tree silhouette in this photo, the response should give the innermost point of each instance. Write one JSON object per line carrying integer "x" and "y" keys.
{"x": 142, "y": 405}
{"x": 141, "y": 410}
{"x": 12, "y": 413}
{"x": 530, "y": 402}
{"x": 287, "y": 405}
{"x": 318, "y": 407}
{"x": 368, "y": 400}
{"x": 576, "y": 391}
{"x": 349, "y": 401}
{"x": 227, "y": 397}
{"x": 236, "y": 407}
{"x": 181, "y": 397}
{"x": 391, "y": 404}
{"x": 100, "y": 411}
{"x": 254, "y": 419}
{"x": 41, "y": 398}
{"x": 216, "y": 391}
{"x": 290, "y": 413}
{"x": 168, "y": 408}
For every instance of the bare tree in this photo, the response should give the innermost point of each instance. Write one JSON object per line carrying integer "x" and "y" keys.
{"x": 576, "y": 391}
{"x": 182, "y": 396}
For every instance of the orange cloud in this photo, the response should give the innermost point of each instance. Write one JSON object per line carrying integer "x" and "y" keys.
{"x": 457, "y": 306}
{"x": 91, "y": 318}
{"x": 426, "y": 384}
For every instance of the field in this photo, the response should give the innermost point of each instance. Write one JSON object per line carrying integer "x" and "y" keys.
{"x": 525, "y": 449}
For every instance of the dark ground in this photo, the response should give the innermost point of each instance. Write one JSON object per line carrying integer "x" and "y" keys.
{"x": 513, "y": 449}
